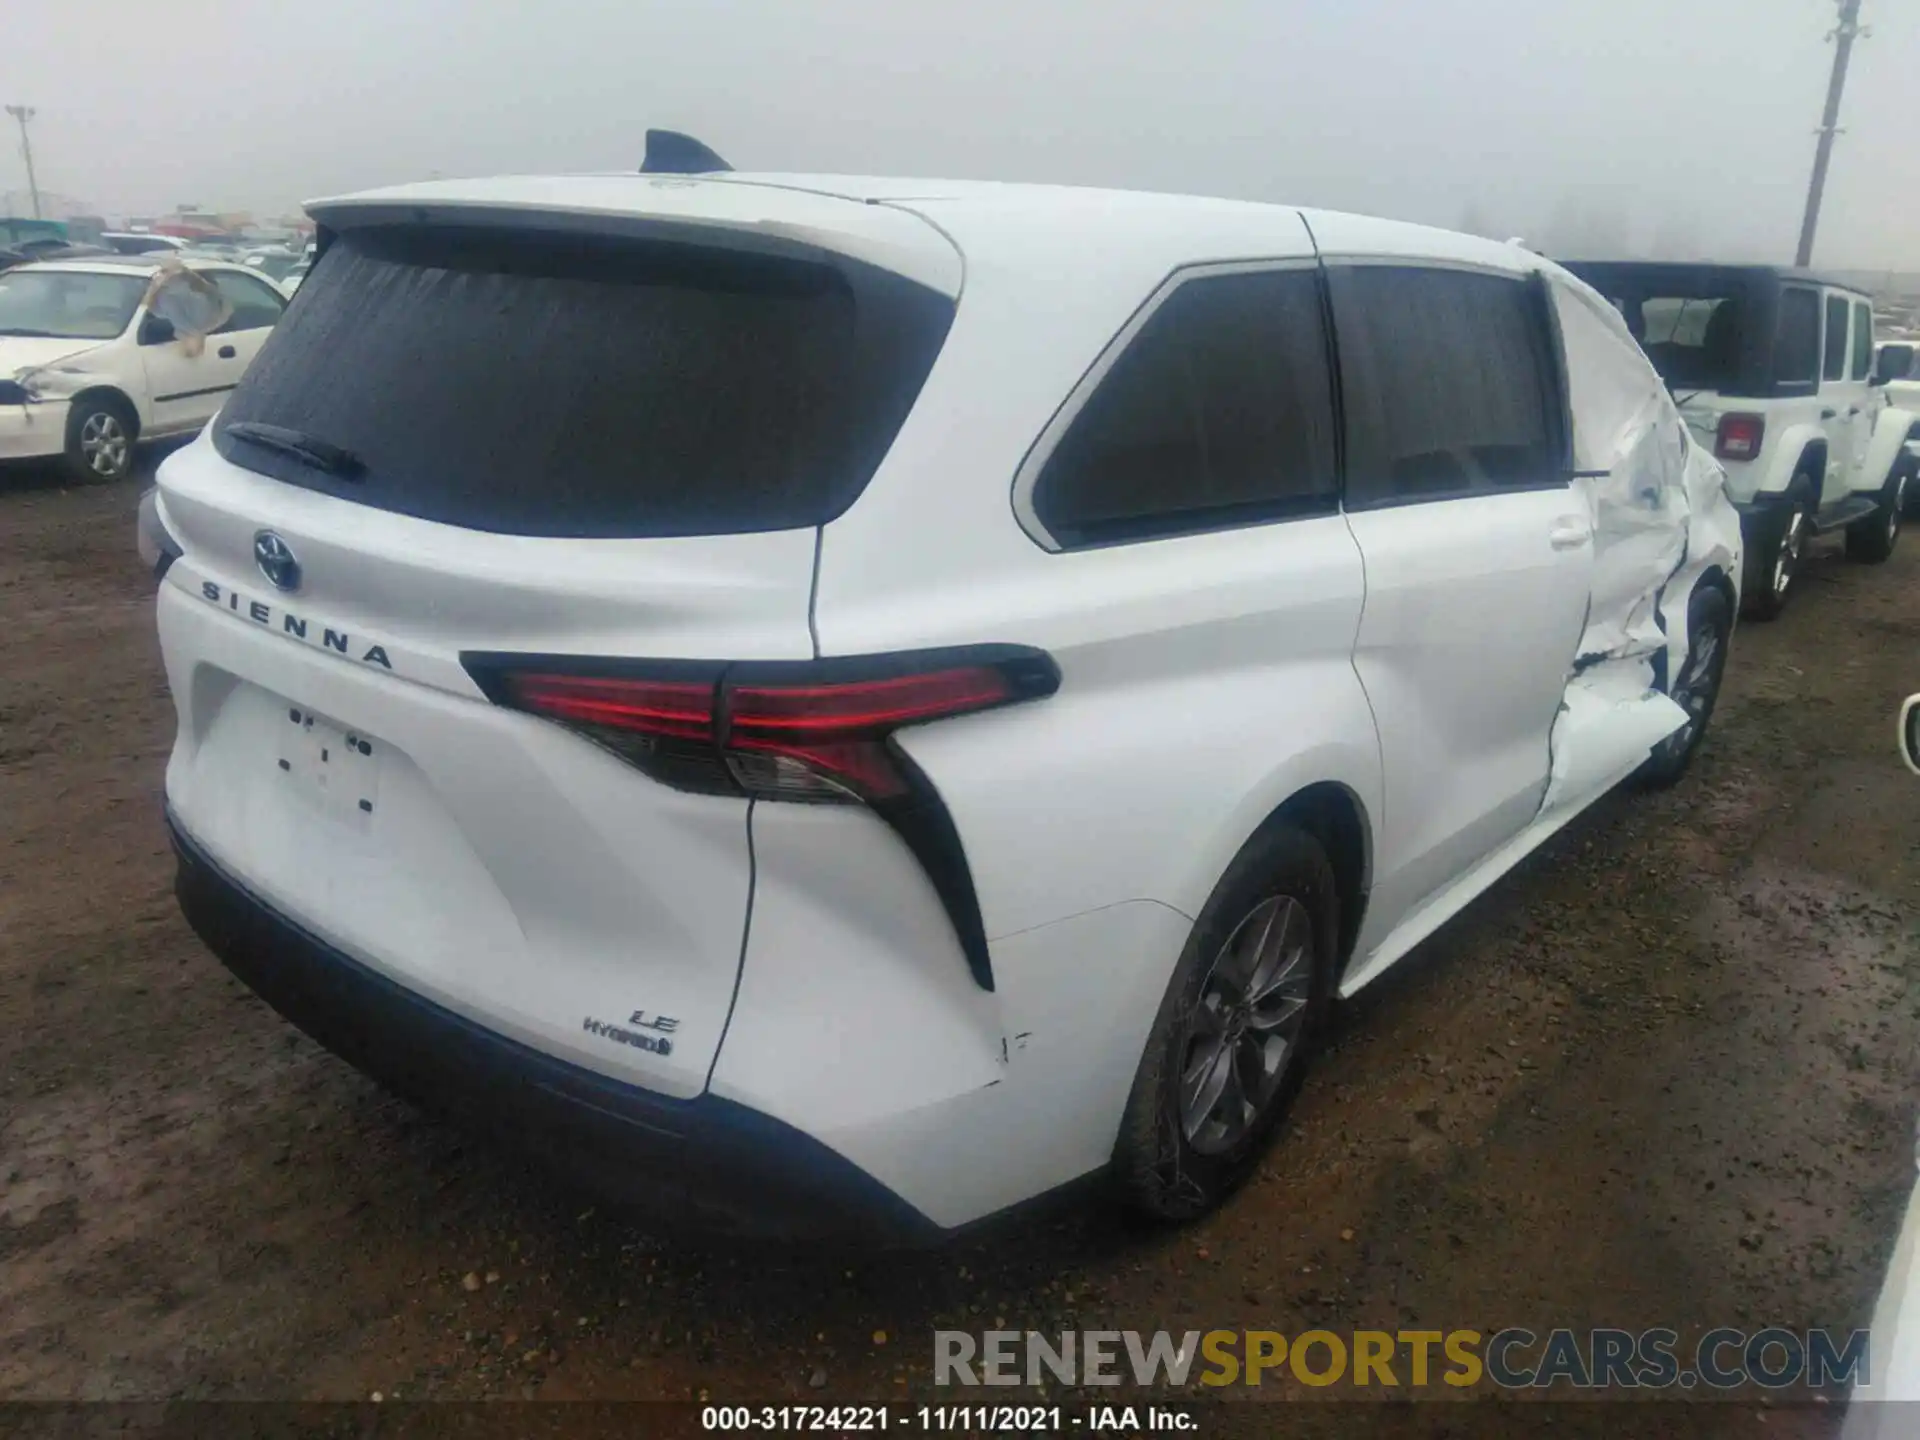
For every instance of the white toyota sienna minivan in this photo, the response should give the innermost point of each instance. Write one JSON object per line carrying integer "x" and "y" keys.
{"x": 829, "y": 704}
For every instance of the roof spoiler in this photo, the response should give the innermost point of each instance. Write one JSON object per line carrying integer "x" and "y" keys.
{"x": 671, "y": 153}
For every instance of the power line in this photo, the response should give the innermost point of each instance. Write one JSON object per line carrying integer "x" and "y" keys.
{"x": 1843, "y": 36}
{"x": 24, "y": 113}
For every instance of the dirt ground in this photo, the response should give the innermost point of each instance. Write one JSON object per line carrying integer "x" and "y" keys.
{"x": 1665, "y": 1074}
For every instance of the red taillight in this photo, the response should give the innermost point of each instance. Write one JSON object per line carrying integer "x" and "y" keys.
{"x": 864, "y": 706}
{"x": 681, "y": 710}
{"x": 1739, "y": 437}
{"x": 775, "y": 731}
{"x": 812, "y": 742}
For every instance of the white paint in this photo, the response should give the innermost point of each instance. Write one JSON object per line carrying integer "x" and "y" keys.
{"x": 1873, "y": 1413}
{"x": 1417, "y": 660}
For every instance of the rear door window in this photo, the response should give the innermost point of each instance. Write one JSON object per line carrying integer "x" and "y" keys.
{"x": 1219, "y": 412}
{"x": 1450, "y": 385}
{"x": 1796, "y": 346}
{"x": 586, "y": 386}
{"x": 1835, "y": 364}
{"x": 1862, "y": 341}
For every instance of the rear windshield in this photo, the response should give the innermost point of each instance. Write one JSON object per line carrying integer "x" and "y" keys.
{"x": 1698, "y": 324}
{"x": 584, "y": 386}
{"x": 1693, "y": 339}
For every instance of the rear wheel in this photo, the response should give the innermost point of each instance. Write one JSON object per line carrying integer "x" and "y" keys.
{"x": 1871, "y": 540}
{"x": 1773, "y": 569}
{"x": 1235, "y": 1031}
{"x": 1696, "y": 689}
{"x": 100, "y": 432}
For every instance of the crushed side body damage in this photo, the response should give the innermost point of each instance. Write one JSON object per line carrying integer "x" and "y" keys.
{"x": 1661, "y": 521}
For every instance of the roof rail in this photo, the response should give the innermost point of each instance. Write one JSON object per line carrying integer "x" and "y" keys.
{"x": 671, "y": 153}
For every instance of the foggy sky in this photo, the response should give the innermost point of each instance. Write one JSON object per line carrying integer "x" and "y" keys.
{"x": 1681, "y": 125}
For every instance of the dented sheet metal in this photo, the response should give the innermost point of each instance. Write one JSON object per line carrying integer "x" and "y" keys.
{"x": 1661, "y": 519}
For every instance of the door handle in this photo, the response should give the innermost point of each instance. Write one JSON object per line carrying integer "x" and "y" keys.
{"x": 1569, "y": 533}
{"x": 1852, "y": 410}
{"x": 226, "y": 352}
{"x": 1827, "y": 414}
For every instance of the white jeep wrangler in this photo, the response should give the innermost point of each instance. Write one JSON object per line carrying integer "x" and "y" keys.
{"x": 1773, "y": 368}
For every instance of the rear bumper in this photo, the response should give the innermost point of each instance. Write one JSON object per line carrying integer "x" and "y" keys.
{"x": 706, "y": 1163}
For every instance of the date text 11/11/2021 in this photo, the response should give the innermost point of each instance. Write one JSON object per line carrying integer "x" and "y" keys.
{"x": 937, "y": 1419}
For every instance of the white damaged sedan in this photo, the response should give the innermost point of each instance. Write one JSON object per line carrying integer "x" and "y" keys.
{"x": 99, "y": 354}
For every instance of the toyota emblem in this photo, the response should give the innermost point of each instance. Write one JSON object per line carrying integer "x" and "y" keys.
{"x": 276, "y": 561}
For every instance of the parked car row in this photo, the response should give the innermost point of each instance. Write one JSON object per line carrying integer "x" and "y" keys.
{"x": 142, "y": 242}
{"x": 276, "y": 262}
{"x": 814, "y": 746}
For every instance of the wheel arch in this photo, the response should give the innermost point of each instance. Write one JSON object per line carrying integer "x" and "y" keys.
{"x": 1678, "y": 601}
{"x": 113, "y": 393}
{"x": 1718, "y": 578}
{"x": 1811, "y": 461}
{"x": 1336, "y": 817}
{"x": 1797, "y": 448}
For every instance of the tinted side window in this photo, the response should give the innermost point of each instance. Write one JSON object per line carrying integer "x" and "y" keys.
{"x": 1835, "y": 366}
{"x": 1448, "y": 382}
{"x": 255, "y": 305}
{"x": 1862, "y": 341}
{"x": 1796, "y": 346}
{"x": 1219, "y": 412}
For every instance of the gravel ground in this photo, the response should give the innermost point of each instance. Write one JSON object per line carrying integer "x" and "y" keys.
{"x": 1664, "y": 1074}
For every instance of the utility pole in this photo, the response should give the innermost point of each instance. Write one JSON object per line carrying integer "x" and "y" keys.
{"x": 24, "y": 113}
{"x": 1843, "y": 38}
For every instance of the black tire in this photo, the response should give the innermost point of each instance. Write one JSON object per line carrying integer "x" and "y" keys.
{"x": 1166, "y": 1167}
{"x": 101, "y": 431}
{"x": 1772, "y": 569}
{"x": 1871, "y": 540}
{"x": 1709, "y": 620}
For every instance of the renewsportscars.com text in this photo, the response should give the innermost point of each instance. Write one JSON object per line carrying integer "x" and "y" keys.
{"x": 1512, "y": 1359}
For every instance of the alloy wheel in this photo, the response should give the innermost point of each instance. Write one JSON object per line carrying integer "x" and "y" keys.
{"x": 1244, "y": 1034}
{"x": 103, "y": 441}
{"x": 1786, "y": 559}
{"x": 1693, "y": 692}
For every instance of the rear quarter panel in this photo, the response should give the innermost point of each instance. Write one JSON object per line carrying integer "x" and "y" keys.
{"x": 1205, "y": 679}
{"x": 1773, "y": 472}
{"x": 1202, "y": 676}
